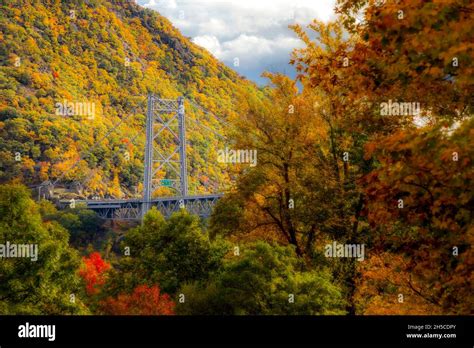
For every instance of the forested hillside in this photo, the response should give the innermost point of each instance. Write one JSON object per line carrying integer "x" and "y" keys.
{"x": 109, "y": 55}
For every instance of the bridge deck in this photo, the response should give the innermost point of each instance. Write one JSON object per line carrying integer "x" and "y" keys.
{"x": 132, "y": 209}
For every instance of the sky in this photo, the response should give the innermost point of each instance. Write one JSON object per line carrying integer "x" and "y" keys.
{"x": 249, "y": 36}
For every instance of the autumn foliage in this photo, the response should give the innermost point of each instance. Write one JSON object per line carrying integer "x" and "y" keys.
{"x": 111, "y": 54}
{"x": 93, "y": 272}
{"x": 144, "y": 300}
{"x": 333, "y": 165}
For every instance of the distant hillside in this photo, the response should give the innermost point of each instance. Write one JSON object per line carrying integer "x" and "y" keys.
{"x": 109, "y": 55}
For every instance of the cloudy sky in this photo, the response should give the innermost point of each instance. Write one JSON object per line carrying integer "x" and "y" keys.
{"x": 252, "y": 34}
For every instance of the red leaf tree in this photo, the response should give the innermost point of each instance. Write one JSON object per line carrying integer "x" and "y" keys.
{"x": 94, "y": 272}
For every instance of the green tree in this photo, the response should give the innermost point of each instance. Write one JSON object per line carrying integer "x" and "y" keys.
{"x": 166, "y": 252}
{"x": 264, "y": 280}
{"x": 83, "y": 224}
{"x": 43, "y": 286}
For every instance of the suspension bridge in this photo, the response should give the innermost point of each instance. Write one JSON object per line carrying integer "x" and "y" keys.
{"x": 165, "y": 121}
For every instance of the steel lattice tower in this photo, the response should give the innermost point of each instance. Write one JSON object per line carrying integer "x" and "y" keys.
{"x": 165, "y": 148}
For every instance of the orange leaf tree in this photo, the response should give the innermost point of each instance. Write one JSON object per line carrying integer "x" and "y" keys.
{"x": 144, "y": 300}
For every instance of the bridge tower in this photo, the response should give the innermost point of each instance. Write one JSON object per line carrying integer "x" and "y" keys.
{"x": 165, "y": 149}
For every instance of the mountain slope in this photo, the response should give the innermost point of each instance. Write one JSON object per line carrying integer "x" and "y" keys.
{"x": 105, "y": 57}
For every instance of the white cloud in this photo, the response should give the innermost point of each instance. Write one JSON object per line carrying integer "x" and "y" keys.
{"x": 161, "y": 3}
{"x": 211, "y": 43}
{"x": 255, "y": 31}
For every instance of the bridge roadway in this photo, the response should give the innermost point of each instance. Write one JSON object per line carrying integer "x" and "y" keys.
{"x": 131, "y": 209}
